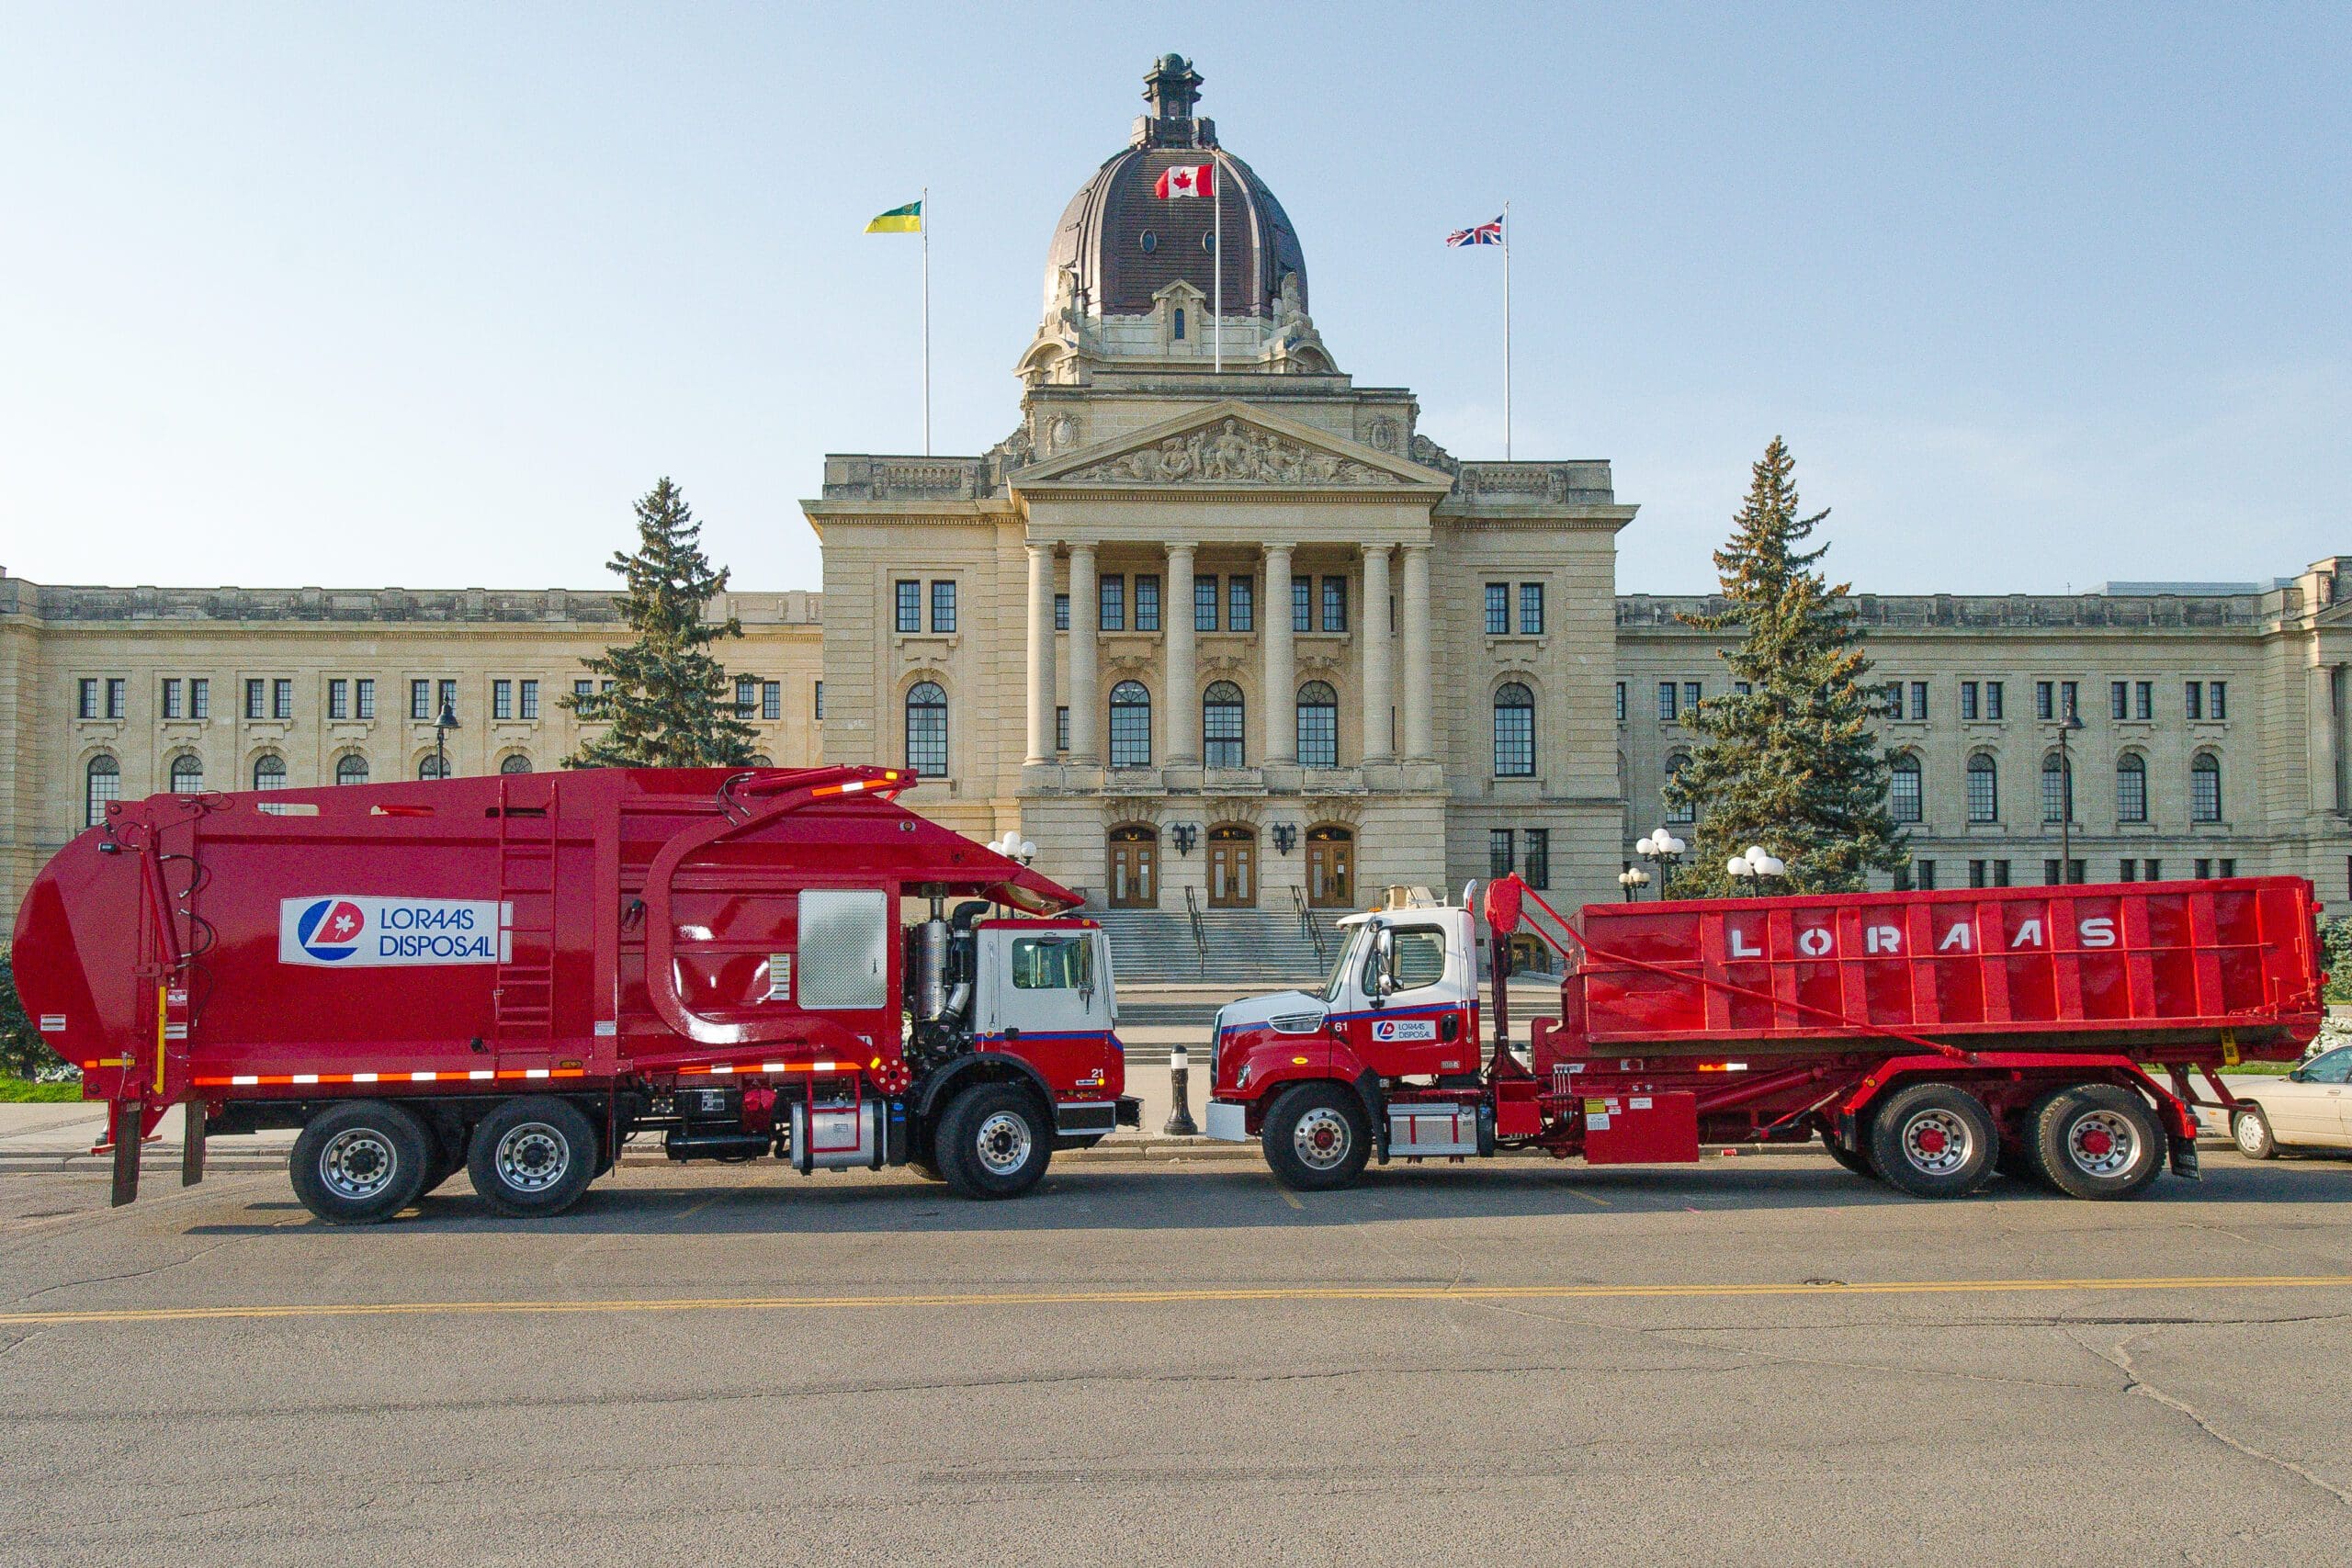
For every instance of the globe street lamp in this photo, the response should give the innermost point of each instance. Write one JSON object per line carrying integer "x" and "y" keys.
{"x": 2068, "y": 723}
{"x": 444, "y": 723}
{"x": 1663, "y": 849}
{"x": 1633, "y": 879}
{"x": 1755, "y": 866}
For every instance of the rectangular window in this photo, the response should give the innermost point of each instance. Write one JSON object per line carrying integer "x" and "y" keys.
{"x": 1902, "y": 789}
{"x": 1500, "y": 851}
{"x": 2044, "y": 702}
{"x": 1666, "y": 706}
{"x": 2152, "y": 871}
{"x": 1919, "y": 700}
{"x": 338, "y": 699}
{"x": 1061, "y": 612}
{"x": 1053, "y": 962}
{"x": 817, "y": 703}
{"x": 1968, "y": 700}
{"x": 844, "y": 941}
{"x": 1991, "y": 699}
{"x": 1744, "y": 688}
{"x": 583, "y": 698}
{"x": 1620, "y": 702}
{"x": 1539, "y": 858}
{"x": 1531, "y": 609}
{"x": 909, "y": 605}
{"x": 1147, "y": 602}
{"x": 1112, "y": 608}
{"x": 2229, "y": 866}
{"x": 2119, "y": 700}
{"x": 943, "y": 607}
{"x": 2144, "y": 699}
{"x": 1061, "y": 730}
{"x": 420, "y": 699}
{"x": 2193, "y": 699}
{"x": 1204, "y": 603}
{"x": 2204, "y": 869}
{"x": 529, "y": 692}
{"x": 365, "y": 690}
{"x": 1976, "y": 873}
{"x": 2067, "y": 705}
{"x": 87, "y": 705}
{"x": 1924, "y": 872}
{"x": 256, "y": 698}
{"x": 1335, "y": 603}
{"x": 171, "y": 699}
{"x": 1689, "y": 698}
{"x": 771, "y": 700}
{"x": 2057, "y": 790}
{"x": 281, "y": 699}
{"x": 118, "y": 696}
{"x": 2217, "y": 701}
{"x": 1240, "y": 606}
{"x": 747, "y": 696}
{"x": 2075, "y": 872}
{"x": 502, "y": 698}
{"x": 449, "y": 699}
{"x": 1499, "y": 609}
{"x": 2131, "y": 790}
{"x": 2129, "y": 868}
{"x": 199, "y": 698}
{"x": 1515, "y": 736}
{"x": 1302, "y": 604}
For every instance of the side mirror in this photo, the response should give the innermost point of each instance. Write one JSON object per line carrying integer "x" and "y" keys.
{"x": 2297, "y": 1076}
{"x": 1387, "y": 984}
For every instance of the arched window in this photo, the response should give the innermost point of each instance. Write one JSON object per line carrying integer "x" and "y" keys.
{"x": 927, "y": 729}
{"x": 1679, "y": 810}
{"x": 102, "y": 783}
{"x": 2057, "y": 789}
{"x": 351, "y": 768}
{"x": 431, "y": 767}
{"x": 2205, "y": 787}
{"x": 269, "y": 770}
{"x": 517, "y": 763}
{"x": 1179, "y": 322}
{"x": 187, "y": 773}
{"x": 1514, "y": 732}
{"x": 2130, "y": 788}
{"x": 1221, "y": 726}
{"x": 1902, "y": 789}
{"x": 1983, "y": 788}
{"x": 1319, "y": 725}
{"x": 1130, "y": 726}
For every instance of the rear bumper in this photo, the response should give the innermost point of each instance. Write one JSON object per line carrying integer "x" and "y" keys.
{"x": 1129, "y": 1112}
{"x": 1227, "y": 1120}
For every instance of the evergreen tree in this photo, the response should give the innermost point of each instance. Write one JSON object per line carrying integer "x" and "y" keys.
{"x": 1793, "y": 764}
{"x": 668, "y": 705}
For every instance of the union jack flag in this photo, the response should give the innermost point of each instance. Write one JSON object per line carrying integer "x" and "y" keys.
{"x": 1483, "y": 234}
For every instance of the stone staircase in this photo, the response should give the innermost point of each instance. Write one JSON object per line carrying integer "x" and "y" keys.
{"x": 1259, "y": 948}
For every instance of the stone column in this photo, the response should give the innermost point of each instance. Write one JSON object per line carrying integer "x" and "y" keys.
{"x": 1280, "y": 700}
{"x": 1085, "y": 620}
{"x": 1041, "y": 653}
{"x": 1181, "y": 702}
{"x": 1377, "y": 697}
{"x": 1420, "y": 742}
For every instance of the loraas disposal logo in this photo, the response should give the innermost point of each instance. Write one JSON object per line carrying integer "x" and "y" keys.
{"x": 349, "y": 930}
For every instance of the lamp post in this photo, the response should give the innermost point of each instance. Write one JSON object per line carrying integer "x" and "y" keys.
{"x": 443, "y": 722}
{"x": 2068, "y": 722}
{"x": 1633, "y": 879}
{"x": 1186, "y": 834}
{"x": 1662, "y": 849}
{"x": 1756, "y": 865}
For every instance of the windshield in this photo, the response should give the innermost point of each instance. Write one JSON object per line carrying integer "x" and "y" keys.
{"x": 1351, "y": 952}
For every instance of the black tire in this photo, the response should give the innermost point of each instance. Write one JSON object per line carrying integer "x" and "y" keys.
{"x": 1855, "y": 1160}
{"x": 360, "y": 1163}
{"x": 1933, "y": 1140}
{"x": 444, "y": 1161}
{"x": 995, "y": 1141}
{"x": 2250, "y": 1130}
{"x": 533, "y": 1157}
{"x": 2096, "y": 1140}
{"x": 1316, "y": 1137}
{"x": 2016, "y": 1159}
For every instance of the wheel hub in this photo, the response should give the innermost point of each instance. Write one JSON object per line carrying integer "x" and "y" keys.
{"x": 1936, "y": 1142}
{"x": 2102, "y": 1142}
{"x": 533, "y": 1157}
{"x": 1321, "y": 1138}
{"x": 1004, "y": 1143}
{"x": 357, "y": 1164}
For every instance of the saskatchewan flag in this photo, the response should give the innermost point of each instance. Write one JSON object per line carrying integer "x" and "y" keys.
{"x": 907, "y": 220}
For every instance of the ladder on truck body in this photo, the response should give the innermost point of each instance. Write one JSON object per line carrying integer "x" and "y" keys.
{"x": 523, "y": 991}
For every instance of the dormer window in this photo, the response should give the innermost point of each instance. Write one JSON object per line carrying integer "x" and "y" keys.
{"x": 1150, "y": 240}
{"x": 1180, "y": 323}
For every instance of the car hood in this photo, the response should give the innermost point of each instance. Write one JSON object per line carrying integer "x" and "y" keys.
{"x": 1289, "y": 1013}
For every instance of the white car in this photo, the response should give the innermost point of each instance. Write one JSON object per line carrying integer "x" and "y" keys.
{"x": 2309, "y": 1108}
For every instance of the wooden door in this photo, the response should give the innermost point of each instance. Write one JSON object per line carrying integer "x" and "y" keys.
{"x": 1134, "y": 871}
{"x": 1233, "y": 868}
{"x": 1330, "y": 868}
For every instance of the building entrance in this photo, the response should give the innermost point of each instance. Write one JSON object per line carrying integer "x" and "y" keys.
{"x": 1331, "y": 867}
{"x": 1135, "y": 868}
{"x": 1233, "y": 867}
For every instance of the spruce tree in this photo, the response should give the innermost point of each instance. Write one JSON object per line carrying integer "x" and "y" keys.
{"x": 668, "y": 705}
{"x": 1793, "y": 764}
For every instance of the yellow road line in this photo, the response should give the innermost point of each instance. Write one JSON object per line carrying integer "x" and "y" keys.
{"x": 1590, "y": 1197}
{"x": 1181, "y": 1297}
{"x": 1289, "y": 1197}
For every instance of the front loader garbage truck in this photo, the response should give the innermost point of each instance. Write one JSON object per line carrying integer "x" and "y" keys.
{"x": 1927, "y": 1038}
{"x": 516, "y": 975}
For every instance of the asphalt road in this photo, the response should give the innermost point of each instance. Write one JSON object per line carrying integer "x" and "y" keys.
{"x": 1504, "y": 1363}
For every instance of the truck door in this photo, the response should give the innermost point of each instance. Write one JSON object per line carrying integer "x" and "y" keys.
{"x": 1413, "y": 984}
{"x": 1052, "y": 1004}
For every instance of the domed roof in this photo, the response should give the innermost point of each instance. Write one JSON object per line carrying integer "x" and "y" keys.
{"x": 1119, "y": 244}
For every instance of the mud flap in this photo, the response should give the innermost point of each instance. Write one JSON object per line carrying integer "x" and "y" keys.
{"x": 192, "y": 1143}
{"x": 126, "y": 1130}
{"x": 2184, "y": 1155}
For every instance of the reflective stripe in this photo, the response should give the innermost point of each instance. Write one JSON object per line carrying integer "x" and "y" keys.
{"x": 271, "y": 1080}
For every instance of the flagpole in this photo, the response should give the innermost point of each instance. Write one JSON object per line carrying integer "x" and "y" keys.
{"x": 1506, "y": 332}
{"x": 1216, "y": 265}
{"x": 925, "y": 213}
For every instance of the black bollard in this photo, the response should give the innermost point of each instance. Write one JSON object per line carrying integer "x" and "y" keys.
{"x": 1180, "y": 1075}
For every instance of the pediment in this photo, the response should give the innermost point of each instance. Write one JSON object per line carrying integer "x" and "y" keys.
{"x": 1231, "y": 445}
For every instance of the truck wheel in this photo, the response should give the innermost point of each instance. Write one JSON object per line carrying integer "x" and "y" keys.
{"x": 2250, "y": 1130}
{"x": 533, "y": 1157}
{"x": 994, "y": 1142}
{"x": 2096, "y": 1140}
{"x": 1314, "y": 1138}
{"x": 1854, "y": 1160}
{"x": 1933, "y": 1140}
{"x": 443, "y": 1160}
{"x": 360, "y": 1163}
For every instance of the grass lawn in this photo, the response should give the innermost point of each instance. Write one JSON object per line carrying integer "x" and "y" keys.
{"x": 15, "y": 1091}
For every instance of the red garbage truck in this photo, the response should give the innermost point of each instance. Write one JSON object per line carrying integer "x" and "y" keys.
{"x": 517, "y": 974}
{"x": 1926, "y": 1038}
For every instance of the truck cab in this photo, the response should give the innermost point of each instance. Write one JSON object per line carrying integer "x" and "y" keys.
{"x": 1311, "y": 1072}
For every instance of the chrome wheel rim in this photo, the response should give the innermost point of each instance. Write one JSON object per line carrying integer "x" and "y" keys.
{"x": 1005, "y": 1142}
{"x": 1937, "y": 1142}
{"x": 2249, "y": 1133}
{"x": 533, "y": 1157}
{"x": 359, "y": 1164}
{"x": 2103, "y": 1142}
{"x": 1322, "y": 1138}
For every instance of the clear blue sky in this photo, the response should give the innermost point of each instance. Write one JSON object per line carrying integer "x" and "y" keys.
{"x": 425, "y": 294}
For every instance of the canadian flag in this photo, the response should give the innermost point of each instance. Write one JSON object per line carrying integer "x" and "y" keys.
{"x": 1191, "y": 179}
